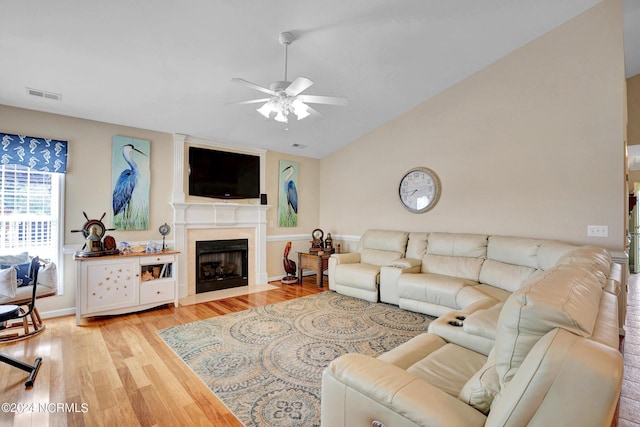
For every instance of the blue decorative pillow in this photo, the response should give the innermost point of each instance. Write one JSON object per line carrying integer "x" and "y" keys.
{"x": 22, "y": 271}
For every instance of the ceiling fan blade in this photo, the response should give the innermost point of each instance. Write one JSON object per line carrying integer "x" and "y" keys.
{"x": 313, "y": 112}
{"x": 298, "y": 85}
{"x": 251, "y": 101}
{"x": 317, "y": 99}
{"x": 252, "y": 85}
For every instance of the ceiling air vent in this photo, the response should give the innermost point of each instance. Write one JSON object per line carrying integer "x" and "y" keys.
{"x": 299, "y": 146}
{"x": 43, "y": 94}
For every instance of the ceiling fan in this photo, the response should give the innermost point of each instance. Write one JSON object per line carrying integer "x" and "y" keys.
{"x": 285, "y": 96}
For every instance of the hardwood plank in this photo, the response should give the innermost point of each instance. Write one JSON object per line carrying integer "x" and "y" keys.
{"x": 122, "y": 370}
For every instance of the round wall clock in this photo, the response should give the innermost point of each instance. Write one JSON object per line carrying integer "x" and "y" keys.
{"x": 419, "y": 190}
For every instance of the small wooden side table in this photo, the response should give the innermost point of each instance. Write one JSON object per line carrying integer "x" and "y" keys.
{"x": 315, "y": 262}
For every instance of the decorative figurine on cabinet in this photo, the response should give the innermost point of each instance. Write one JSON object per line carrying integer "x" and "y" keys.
{"x": 328, "y": 243}
{"x": 317, "y": 244}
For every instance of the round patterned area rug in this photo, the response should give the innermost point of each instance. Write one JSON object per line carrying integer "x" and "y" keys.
{"x": 266, "y": 363}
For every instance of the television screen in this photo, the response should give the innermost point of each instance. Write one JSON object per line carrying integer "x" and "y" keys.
{"x": 223, "y": 174}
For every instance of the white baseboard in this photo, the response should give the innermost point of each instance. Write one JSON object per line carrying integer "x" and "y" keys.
{"x": 58, "y": 313}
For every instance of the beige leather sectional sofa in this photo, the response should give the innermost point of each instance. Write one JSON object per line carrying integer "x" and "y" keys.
{"x": 526, "y": 334}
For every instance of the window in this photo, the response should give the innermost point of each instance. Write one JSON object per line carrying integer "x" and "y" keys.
{"x": 30, "y": 214}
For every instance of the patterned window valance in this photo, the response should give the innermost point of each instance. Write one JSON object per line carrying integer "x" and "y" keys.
{"x": 46, "y": 155}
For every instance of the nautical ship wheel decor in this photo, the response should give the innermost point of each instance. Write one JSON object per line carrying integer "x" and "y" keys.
{"x": 100, "y": 229}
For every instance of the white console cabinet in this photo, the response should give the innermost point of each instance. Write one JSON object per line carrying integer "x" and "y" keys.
{"x": 121, "y": 284}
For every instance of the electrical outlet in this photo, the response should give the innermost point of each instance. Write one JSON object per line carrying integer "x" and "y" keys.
{"x": 598, "y": 230}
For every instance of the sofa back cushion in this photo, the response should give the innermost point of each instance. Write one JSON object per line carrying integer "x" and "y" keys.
{"x": 519, "y": 251}
{"x": 457, "y": 244}
{"x": 504, "y": 276}
{"x": 565, "y": 296}
{"x": 417, "y": 245}
{"x": 551, "y": 251}
{"x": 595, "y": 258}
{"x": 384, "y": 240}
{"x": 510, "y": 262}
{"x": 455, "y": 254}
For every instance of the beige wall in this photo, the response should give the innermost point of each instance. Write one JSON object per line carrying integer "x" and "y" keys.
{"x": 308, "y": 210}
{"x": 633, "y": 110}
{"x": 88, "y": 179}
{"x": 532, "y": 145}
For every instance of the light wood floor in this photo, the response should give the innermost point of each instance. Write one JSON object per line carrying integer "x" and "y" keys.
{"x": 116, "y": 371}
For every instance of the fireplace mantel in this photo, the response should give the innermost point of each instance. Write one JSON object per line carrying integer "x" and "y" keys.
{"x": 214, "y": 216}
{"x": 205, "y": 216}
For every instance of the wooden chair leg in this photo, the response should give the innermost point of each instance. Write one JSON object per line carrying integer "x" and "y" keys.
{"x": 37, "y": 314}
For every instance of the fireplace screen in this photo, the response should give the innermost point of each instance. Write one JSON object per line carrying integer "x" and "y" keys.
{"x": 221, "y": 264}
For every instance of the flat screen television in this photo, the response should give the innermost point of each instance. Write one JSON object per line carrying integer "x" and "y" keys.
{"x": 223, "y": 174}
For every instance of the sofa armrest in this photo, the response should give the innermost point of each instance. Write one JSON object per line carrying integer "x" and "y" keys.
{"x": 389, "y": 278}
{"x": 408, "y": 265}
{"x": 337, "y": 259}
{"x": 346, "y": 258}
{"x": 357, "y": 389}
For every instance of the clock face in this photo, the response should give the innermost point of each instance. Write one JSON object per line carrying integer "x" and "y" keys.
{"x": 419, "y": 190}
{"x": 317, "y": 234}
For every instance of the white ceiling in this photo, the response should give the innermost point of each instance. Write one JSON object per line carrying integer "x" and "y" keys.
{"x": 167, "y": 66}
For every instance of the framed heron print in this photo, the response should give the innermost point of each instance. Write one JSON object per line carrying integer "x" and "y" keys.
{"x": 288, "y": 194}
{"x": 130, "y": 182}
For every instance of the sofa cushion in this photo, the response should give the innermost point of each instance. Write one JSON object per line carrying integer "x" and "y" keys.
{"x": 417, "y": 245}
{"x": 431, "y": 288}
{"x": 550, "y": 252}
{"x": 14, "y": 259}
{"x": 496, "y": 293}
{"x": 483, "y": 322}
{"x": 384, "y": 240}
{"x": 22, "y": 272}
{"x": 566, "y": 296}
{"x": 598, "y": 259}
{"x": 8, "y": 282}
{"x": 453, "y": 266}
{"x": 448, "y": 368}
{"x": 514, "y": 250}
{"x": 483, "y": 386}
{"x": 504, "y": 276}
{"x": 48, "y": 276}
{"x": 361, "y": 276}
{"x": 457, "y": 245}
{"x": 379, "y": 257}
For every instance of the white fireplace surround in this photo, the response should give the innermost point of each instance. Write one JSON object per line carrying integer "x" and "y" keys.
{"x": 215, "y": 216}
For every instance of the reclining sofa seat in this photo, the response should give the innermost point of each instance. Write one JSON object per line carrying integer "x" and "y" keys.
{"x": 555, "y": 363}
{"x": 464, "y": 272}
{"x": 357, "y": 274}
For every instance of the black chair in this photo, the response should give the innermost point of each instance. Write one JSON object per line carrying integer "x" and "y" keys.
{"x": 12, "y": 312}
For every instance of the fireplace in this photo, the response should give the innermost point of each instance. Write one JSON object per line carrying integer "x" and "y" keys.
{"x": 221, "y": 264}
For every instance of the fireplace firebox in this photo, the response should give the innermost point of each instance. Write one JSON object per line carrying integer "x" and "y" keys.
{"x": 221, "y": 264}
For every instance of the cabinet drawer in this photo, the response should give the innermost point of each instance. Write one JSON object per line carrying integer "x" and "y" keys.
{"x": 157, "y": 291}
{"x": 156, "y": 259}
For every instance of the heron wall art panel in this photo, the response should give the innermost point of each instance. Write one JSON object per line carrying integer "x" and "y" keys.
{"x": 130, "y": 182}
{"x": 288, "y": 194}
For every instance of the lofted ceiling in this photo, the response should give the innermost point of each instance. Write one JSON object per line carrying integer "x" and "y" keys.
{"x": 167, "y": 66}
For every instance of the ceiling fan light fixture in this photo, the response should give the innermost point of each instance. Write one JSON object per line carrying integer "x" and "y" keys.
{"x": 266, "y": 109}
{"x": 281, "y": 117}
{"x": 286, "y": 96}
{"x": 300, "y": 109}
